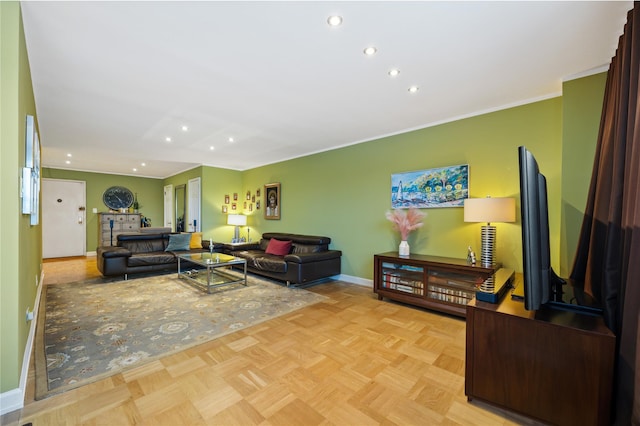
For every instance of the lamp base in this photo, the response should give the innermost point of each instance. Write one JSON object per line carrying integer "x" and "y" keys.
{"x": 488, "y": 255}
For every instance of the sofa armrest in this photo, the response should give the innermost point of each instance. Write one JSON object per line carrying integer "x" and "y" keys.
{"x": 312, "y": 257}
{"x": 113, "y": 251}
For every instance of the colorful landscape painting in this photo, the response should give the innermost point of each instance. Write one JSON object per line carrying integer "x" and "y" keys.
{"x": 439, "y": 187}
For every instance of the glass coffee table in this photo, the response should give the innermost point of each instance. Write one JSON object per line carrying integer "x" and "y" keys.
{"x": 209, "y": 269}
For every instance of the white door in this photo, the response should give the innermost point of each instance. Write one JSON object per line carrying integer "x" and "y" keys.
{"x": 168, "y": 207}
{"x": 193, "y": 189}
{"x": 64, "y": 232}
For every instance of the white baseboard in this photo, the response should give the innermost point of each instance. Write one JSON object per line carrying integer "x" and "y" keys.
{"x": 14, "y": 399}
{"x": 355, "y": 280}
{"x": 11, "y": 401}
{"x": 91, "y": 254}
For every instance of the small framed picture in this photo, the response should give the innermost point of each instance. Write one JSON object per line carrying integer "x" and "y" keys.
{"x": 248, "y": 195}
{"x": 258, "y": 205}
{"x": 224, "y": 209}
{"x": 272, "y": 201}
{"x": 226, "y": 199}
{"x": 245, "y": 205}
{"x": 233, "y": 206}
{"x": 258, "y": 192}
{"x": 250, "y": 207}
{"x": 235, "y": 196}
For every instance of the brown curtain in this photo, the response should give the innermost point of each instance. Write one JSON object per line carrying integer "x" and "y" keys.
{"x": 608, "y": 255}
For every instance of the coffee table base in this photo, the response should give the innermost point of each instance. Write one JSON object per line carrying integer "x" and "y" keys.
{"x": 210, "y": 275}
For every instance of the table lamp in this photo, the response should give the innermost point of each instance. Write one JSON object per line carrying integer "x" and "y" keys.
{"x": 489, "y": 210}
{"x": 237, "y": 220}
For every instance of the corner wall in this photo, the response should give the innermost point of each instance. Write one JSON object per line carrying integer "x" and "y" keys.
{"x": 20, "y": 243}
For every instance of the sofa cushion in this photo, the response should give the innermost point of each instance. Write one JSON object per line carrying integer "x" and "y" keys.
{"x": 196, "y": 240}
{"x": 270, "y": 263}
{"x": 154, "y": 258}
{"x": 278, "y": 248}
{"x": 142, "y": 245}
{"x": 308, "y": 248}
{"x": 178, "y": 242}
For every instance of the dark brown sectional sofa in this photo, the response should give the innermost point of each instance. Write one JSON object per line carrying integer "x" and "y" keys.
{"x": 309, "y": 258}
{"x": 137, "y": 253}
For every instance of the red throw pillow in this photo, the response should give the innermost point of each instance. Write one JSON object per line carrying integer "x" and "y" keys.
{"x": 277, "y": 247}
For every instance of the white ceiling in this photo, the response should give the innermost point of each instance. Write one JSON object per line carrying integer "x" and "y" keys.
{"x": 113, "y": 79}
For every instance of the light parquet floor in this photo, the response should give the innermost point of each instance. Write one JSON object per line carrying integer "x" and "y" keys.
{"x": 351, "y": 360}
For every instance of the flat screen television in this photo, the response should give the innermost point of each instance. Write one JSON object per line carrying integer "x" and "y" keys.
{"x": 541, "y": 285}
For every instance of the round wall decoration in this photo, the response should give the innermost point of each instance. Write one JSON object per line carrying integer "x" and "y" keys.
{"x": 117, "y": 197}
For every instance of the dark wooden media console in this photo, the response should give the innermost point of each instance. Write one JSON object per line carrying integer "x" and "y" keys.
{"x": 551, "y": 365}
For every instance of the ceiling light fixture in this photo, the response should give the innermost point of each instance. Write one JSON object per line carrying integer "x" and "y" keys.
{"x": 143, "y": 164}
{"x": 135, "y": 170}
{"x": 334, "y": 21}
{"x": 370, "y": 51}
{"x": 231, "y": 140}
{"x": 394, "y": 72}
{"x": 211, "y": 148}
{"x": 68, "y": 162}
{"x": 69, "y": 155}
{"x": 168, "y": 139}
{"x": 413, "y": 89}
{"x": 185, "y": 128}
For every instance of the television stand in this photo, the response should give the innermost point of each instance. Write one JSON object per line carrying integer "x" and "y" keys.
{"x": 552, "y": 365}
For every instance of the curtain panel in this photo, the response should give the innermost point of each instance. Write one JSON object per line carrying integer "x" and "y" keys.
{"x": 608, "y": 254}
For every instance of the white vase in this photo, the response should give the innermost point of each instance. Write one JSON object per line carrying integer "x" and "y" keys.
{"x": 403, "y": 249}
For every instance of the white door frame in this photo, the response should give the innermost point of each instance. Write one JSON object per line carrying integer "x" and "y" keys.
{"x": 169, "y": 210}
{"x": 193, "y": 202}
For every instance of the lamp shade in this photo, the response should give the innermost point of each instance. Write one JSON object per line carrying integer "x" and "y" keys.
{"x": 490, "y": 210}
{"x": 236, "y": 219}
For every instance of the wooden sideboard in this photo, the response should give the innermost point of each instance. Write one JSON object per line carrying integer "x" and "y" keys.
{"x": 122, "y": 223}
{"x": 440, "y": 283}
{"x": 551, "y": 365}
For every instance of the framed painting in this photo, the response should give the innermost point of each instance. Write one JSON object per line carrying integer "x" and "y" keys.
{"x": 424, "y": 189}
{"x": 272, "y": 201}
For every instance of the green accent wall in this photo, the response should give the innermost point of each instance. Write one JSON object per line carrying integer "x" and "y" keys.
{"x": 20, "y": 243}
{"x": 343, "y": 193}
{"x": 582, "y": 108}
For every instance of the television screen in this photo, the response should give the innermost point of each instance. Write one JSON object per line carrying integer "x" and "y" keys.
{"x": 541, "y": 285}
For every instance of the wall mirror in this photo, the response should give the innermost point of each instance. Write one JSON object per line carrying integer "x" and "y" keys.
{"x": 181, "y": 208}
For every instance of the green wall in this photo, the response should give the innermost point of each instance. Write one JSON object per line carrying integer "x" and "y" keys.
{"x": 345, "y": 193}
{"x": 20, "y": 243}
{"x": 581, "y": 112}
{"x": 148, "y": 190}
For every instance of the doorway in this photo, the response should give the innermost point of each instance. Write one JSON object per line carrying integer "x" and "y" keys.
{"x": 64, "y": 231}
{"x": 194, "y": 205}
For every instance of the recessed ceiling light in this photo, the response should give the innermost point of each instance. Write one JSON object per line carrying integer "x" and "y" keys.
{"x": 211, "y": 148}
{"x": 68, "y": 162}
{"x": 143, "y": 164}
{"x": 135, "y": 170}
{"x": 168, "y": 139}
{"x": 69, "y": 155}
{"x": 185, "y": 128}
{"x": 334, "y": 20}
{"x": 231, "y": 140}
{"x": 394, "y": 72}
{"x": 370, "y": 51}
{"x": 413, "y": 89}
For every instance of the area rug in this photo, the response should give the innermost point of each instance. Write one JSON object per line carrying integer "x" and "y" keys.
{"x": 91, "y": 330}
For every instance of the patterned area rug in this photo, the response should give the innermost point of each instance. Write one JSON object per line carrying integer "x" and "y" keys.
{"x": 88, "y": 330}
